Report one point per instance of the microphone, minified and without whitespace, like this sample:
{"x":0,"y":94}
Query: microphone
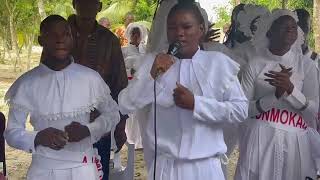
{"x":172,"y":50}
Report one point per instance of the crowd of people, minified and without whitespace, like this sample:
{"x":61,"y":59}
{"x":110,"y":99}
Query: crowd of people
{"x":94,"y":90}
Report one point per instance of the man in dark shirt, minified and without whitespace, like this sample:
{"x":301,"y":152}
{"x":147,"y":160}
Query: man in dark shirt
{"x":305,"y":24}
{"x":99,"y":49}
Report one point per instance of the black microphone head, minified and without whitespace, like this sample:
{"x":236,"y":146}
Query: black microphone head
{"x":174,"y":48}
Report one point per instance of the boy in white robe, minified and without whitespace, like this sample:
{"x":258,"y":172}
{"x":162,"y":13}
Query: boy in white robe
{"x":196,"y":94}
{"x":59,"y":96}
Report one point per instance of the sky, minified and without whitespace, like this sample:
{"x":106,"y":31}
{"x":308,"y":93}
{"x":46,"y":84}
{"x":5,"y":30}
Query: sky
{"x":209,"y":5}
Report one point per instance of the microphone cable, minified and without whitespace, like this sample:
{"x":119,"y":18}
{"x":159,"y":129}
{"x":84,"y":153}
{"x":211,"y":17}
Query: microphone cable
{"x":173,"y":50}
{"x":155,"y":127}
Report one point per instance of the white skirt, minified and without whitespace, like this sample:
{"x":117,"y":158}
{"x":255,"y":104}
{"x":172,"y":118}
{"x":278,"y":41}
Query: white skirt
{"x":267,"y":152}
{"x":202,"y":169}
{"x":87,"y":172}
{"x":71,"y":166}
{"x":133,"y":131}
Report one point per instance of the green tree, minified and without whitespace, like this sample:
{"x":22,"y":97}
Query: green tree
{"x":224,"y":17}
{"x":116,"y":10}
{"x":20,"y":22}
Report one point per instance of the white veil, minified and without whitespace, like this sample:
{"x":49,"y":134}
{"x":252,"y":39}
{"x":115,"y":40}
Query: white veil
{"x":249,"y":13}
{"x":157,"y":40}
{"x":143,"y":31}
{"x":260,"y":40}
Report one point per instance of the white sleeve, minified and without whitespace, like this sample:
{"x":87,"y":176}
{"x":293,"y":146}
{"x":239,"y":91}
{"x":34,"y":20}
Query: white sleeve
{"x":307,"y":100}
{"x":140,"y":93}
{"x":16,"y":134}
{"x":256,"y":106}
{"x":107,"y":121}
{"x":233,"y":108}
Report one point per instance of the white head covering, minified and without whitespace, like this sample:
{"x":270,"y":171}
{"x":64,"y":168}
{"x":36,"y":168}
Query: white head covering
{"x":143,"y":31}
{"x":264,"y":24}
{"x":249,"y":13}
{"x":158,"y":35}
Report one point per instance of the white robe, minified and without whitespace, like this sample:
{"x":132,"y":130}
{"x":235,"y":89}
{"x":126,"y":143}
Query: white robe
{"x":314,"y":135}
{"x":185,"y":147}
{"x":132,"y":57}
{"x":274,"y":144}
{"x":55,"y":99}
{"x":241,"y":52}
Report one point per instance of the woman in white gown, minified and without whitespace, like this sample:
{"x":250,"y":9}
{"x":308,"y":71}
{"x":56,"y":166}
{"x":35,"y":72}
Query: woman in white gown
{"x":280,"y":85}
{"x":196,"y":93}
{"x":157,"y":42}
{"x":133,"y":53}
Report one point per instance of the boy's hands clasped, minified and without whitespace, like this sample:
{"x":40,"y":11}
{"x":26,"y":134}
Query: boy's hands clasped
{"x":56,"y":139}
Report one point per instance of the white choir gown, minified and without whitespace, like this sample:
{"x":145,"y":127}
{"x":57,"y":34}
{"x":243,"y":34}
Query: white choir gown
{"x":55,"y":99}
{"x":132,"y":58}
{"x":274,"y":144}
{"x":190,"y":143}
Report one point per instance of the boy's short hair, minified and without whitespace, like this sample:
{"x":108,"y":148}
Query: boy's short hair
{"x":48,"y":21}
{"x":74,"y":1}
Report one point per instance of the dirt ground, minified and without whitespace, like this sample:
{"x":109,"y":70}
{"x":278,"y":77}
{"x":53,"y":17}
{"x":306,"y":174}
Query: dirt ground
{"x":18,"y":161}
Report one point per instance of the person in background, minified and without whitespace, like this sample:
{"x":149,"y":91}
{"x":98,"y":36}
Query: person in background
{"x":305,"y":24}
{"x":133,"y":54}
{"x":105,"y":22}
{"x":120,"y":32}
{"x":242,"y":29}
{"x":99,"y":49}
{"x":136,"y":48}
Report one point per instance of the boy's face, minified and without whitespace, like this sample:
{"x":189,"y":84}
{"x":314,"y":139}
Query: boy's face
{"x":57,"y":40}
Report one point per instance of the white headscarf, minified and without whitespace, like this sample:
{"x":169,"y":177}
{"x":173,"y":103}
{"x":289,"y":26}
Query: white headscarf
{"x":264,"y":24}
{"x":158,"y":35}
{"x":249,"y":13}
{"x":143,"y":31}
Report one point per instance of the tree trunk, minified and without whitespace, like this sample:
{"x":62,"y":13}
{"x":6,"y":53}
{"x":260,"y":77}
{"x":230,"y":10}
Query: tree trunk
{"x":3,"y":54}
{"x":14,"y":41}
{"x":13,"y":33}
{"x":316,"y":23}
{"x":29,"y":48}
{"x":41,"y":9}
{"x":284,"y":4}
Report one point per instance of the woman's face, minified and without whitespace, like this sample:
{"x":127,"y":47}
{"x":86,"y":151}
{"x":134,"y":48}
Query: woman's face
{"x":135,"y":38}
{"x":283,"y":32}
{"x":184,"y":27}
